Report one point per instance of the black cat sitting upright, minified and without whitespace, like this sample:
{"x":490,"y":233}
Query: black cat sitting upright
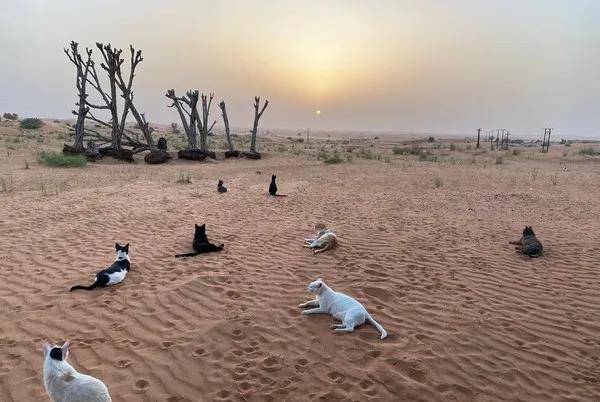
{"x":201,"y":244}
{"x":273,"y":188}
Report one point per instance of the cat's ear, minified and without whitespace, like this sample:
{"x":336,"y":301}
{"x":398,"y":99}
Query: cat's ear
{"x":126,"y":248}
{"x":65,"y":349}
{"x":46,"y":349}
{"x":117,"y":246}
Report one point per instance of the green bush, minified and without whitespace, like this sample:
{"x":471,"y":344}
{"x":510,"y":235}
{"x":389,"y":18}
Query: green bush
{"x":59,"y":160}
{"x":589,"y":151}
{"x":413,"y":150}
{"x":31,"y":123}
{"x":335,"y":158}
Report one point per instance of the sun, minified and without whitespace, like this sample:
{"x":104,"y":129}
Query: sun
{"x":318,"y":112}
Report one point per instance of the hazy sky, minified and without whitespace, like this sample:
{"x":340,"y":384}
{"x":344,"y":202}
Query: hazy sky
{"x":430,"y":66}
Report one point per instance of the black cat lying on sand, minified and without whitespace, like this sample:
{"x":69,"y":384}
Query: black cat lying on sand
{"x":529,"y":244}
{"x":113,"y":274}
{"x":273,"y":188}
{"x":221,"y":188}
{"x":201,"y":243}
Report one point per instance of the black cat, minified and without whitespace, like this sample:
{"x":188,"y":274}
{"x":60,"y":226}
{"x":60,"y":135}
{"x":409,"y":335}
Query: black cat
{"x":273,"y":188}
{"x":529,"y":244}
{"x":113,"y":274}
{"x":201,"y":243}
{"x":221,"y":188}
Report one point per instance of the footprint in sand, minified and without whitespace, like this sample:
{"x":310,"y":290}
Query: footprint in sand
{"x":166,"y":344}
{"x":373,"y":354}
{"x":238,"y":334}
{"x":336,"y":377}
{"x":223,"y":395}
{"x":140,"y":386}
{"x":199,"y":352}
{"x":301,"y":365}
{"x":244,"y":387}
{"x":123,"y":364}
{"x":270,"y":364}
{"x":368,"y":387}
{"x":232,"y":294}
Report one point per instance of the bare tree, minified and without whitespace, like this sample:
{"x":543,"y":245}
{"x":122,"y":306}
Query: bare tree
{"x":203,"y":123}
{"x":257,"y":115}
{"x":82,"y":70}
{"x":187,"y":108}
{"x":231,"y":152}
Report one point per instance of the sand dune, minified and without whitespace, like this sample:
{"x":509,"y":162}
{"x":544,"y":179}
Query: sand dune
{"x":468,"y":318}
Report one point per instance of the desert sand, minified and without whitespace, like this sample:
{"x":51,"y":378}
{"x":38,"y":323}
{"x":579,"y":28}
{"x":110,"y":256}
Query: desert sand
{"x":423,"y":245}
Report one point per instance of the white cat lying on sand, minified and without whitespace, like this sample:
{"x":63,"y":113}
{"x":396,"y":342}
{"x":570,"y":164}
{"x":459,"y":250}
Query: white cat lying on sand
{"x":64,"y":384}
{"x":324,"y":240}
{"x":340,"y":306}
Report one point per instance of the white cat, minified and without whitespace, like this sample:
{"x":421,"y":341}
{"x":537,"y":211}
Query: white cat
{"x":64,"y":384}
{"x":324,"y":240}
{"x":340,"y":306}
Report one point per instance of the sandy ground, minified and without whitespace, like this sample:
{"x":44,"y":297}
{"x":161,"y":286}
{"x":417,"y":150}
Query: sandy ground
{"x":423,"y":245}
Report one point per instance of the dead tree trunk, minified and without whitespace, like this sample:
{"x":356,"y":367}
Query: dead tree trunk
{"x":231,"y":152}
{"x":82,"y":70}
{"x":478,"y":137}
{"x":203,"y":128}
{"x":190,"y":123}
{"x":257,"y":115}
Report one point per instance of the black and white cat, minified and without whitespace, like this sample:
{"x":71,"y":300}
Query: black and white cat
{"x":113,"y":274}
{"x":201,"y":243}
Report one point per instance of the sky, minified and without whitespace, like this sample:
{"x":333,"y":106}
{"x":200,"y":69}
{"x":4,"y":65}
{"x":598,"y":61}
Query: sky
{"x":431,"y":66}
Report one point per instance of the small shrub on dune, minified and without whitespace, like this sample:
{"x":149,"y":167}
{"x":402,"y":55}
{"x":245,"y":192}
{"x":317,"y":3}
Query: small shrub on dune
{"x":516,"y":152}
{"x":31,"y":123}
{"x":589,"y":151}
{"x":452,"y":147}
{"x":430,"y":139}
{"x":437,"y":182}
{"x":333,"y":159}
{"x":59,"y":160}
{"x":499,"y":160}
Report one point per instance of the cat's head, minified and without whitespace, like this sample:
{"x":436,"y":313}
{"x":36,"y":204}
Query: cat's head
{"x":317,"y":287}
{"x":220,"y":183}
{"x":528,"y":231}
{"x":122,"y":251}
{"x":56,"y":353}
{"x":200,"y":231}
{"x":273,"y":178}
{"x":320,"y":226}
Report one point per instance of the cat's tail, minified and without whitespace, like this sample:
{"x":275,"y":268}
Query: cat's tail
{"x":186,"y":254}
{"x":280,"y":195}
{"x":374,"y":323}
{"x":92,"y":286}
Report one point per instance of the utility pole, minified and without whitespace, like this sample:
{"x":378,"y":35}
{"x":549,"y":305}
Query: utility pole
{"x":478,"y":136}
{"x":546,"y":141}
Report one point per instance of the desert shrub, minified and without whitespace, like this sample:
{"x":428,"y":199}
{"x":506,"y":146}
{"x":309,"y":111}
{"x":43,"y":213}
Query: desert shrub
{"x":568,"y":144}
{"x":26,"y":164}
{"x":499,"y":160}
{"x":425,"y":157}
{"x":334,"y":158}
{"x":589,"y":151}
{"x":516,"y":152}
{"x":184,"y":178}
{"x":430,"y":139}
{"x":11,"y":116}
{"x":387,"y":159}
{"x":554,"y":179}
{"x":412,"y":150}
{"x":59,"y":160}
{"x":452,"y":147}
{"x":437,"y":182}
{"x":31,"y":123}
